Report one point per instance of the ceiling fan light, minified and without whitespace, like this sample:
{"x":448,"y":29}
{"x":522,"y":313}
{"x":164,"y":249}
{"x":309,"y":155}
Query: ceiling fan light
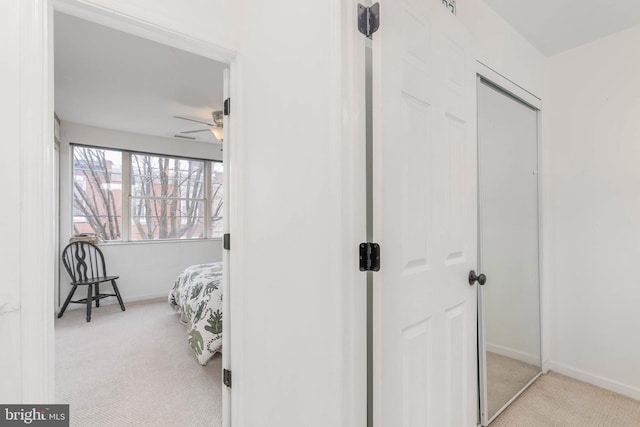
{"x":218,"y":133}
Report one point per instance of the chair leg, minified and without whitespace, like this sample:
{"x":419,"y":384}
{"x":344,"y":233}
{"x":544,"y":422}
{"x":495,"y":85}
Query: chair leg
{"x":66,"y":302}
{"x":117,"y":291}
{"x":97,"y":294}
{"x":89,"y":301}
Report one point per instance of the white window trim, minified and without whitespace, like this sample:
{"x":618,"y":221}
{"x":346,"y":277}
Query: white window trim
{"x":208,"y":231}
{"x":125,"y":221}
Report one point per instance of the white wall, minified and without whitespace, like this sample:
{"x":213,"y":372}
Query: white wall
{"x":297,"y":267}
{"x":146,"y":269}
{"x":595,"y":133}
{"x":502,"y":48}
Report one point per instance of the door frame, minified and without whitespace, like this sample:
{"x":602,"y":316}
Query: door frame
{"x":37,"y":154}
{"x":510,"y":88}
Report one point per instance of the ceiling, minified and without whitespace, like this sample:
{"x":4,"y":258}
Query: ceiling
{"x":554,"y":26}
{"x":114,"y":80}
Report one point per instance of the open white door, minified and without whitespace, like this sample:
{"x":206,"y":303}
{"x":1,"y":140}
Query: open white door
{"x":425,"y":218}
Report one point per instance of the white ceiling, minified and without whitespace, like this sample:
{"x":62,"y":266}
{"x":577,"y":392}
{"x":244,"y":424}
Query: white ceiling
{"x":115,"y":80}
{"x":554,"y":26}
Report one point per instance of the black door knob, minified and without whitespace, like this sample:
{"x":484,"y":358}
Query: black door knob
{"x":480,"y":278}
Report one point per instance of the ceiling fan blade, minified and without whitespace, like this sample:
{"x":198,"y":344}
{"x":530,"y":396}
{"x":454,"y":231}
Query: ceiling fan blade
{"x":182,"y":136}
{"x":193,"y":131}
{"x":194,"y":120}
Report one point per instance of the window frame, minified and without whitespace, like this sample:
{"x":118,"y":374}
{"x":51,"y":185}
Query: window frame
{"x":126,"y":195}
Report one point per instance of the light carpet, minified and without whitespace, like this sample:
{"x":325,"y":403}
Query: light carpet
{"x":505,"y":378}
{"x":134,"y":368}
{"x":554,"y":400}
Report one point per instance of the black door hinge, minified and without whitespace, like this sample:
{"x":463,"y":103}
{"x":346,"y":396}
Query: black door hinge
{"x":369,"y":256}
{"x":226,"y":377}
{"x":226,"y":241}
{"x":368,"y":19}
{"x":227,"y":107}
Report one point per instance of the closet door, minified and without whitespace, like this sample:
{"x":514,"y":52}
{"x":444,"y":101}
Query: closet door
{"x":508,"y":235}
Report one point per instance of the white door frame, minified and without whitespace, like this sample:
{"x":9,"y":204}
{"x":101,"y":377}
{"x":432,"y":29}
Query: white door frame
{"x":37,"y":239}
{"x":36,"y":155}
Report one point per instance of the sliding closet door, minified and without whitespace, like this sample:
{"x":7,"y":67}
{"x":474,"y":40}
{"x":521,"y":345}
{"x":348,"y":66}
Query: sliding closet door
{"x":508,"y":242}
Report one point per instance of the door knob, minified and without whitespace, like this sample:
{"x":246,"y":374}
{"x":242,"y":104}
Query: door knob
{"x":480,"y":278}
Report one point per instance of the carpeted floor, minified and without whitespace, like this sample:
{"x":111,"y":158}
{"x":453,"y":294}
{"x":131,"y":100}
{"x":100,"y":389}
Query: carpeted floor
{"x":554,"y":400}
{"x":505,"y":378}
{"x":134,"y":368}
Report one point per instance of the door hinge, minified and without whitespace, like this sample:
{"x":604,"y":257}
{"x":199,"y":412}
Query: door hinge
{"x":368,"y":19}
{"x":369,"y":256}
{"x":226,"y":241}
{"x":227,"y":107}
{"x":226,"y":377}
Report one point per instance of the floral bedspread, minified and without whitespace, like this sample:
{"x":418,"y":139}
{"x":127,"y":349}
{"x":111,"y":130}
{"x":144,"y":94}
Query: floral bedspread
{"x":197,"y":296}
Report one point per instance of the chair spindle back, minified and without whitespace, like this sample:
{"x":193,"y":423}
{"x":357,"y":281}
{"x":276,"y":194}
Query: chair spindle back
{"x":84,"y":261}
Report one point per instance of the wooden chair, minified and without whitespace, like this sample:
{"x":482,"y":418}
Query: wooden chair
{"x":85,"y":264}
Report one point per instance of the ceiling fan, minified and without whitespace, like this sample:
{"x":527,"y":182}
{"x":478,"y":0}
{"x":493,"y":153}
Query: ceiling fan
{"x":215,"y":128}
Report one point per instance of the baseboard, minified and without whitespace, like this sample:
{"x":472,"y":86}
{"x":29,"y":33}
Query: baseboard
{"x":529,"y":358}
{"x":597,"y":380}
{"x":113,"y":300}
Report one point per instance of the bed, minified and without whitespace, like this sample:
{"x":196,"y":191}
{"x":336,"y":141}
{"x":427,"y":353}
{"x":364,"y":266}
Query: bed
{"x":197,"y":296}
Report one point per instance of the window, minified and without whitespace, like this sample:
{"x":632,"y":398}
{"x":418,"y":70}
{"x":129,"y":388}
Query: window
{"x":216,"y":198}
{"x":165,"y":197}
{"x":97,"y":202}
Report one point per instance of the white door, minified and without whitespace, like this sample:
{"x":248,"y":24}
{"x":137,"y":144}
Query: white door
{"x":425,"y":215}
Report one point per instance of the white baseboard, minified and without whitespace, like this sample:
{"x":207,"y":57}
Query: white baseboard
{"x":532,"y":359}
{"x":113,"y":300}
{"x":615,"y":386}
